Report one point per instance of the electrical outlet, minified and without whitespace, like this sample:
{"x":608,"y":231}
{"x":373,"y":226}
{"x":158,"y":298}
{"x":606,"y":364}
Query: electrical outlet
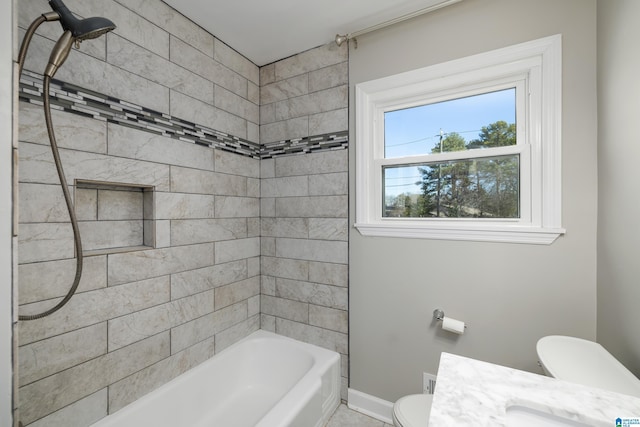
{"x":428,"y":383}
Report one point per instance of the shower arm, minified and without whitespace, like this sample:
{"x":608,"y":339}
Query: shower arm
{"x":58,"y":56}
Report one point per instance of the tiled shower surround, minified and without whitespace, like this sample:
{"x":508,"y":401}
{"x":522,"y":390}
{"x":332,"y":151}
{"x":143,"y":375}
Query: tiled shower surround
{"x":248,"y":229}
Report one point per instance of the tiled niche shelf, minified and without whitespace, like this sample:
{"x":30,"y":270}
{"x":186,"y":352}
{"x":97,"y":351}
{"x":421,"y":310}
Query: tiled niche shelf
{"x":114,"y":217}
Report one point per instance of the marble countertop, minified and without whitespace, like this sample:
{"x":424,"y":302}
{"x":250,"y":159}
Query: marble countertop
{"x":474,"y":393}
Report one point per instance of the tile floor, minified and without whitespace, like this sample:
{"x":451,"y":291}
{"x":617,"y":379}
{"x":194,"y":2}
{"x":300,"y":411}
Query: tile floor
{"x":345,"y":417}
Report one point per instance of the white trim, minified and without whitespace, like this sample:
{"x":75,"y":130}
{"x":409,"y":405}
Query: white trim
{"x":6,"y":238}
{"x":370,"y":405}
{"x":537,"y":63}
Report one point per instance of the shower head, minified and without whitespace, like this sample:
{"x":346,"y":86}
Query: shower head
{"x":75,"y":30}
{"x":81,"y":29}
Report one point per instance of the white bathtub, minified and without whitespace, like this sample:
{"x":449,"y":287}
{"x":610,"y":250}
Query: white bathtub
{"x":265,"y":380}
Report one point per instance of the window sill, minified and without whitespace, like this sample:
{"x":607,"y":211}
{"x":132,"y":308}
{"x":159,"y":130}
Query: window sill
{"x":469,"y":232}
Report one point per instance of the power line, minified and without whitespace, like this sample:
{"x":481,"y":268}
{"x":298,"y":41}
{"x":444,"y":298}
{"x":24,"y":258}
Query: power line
{"x":430,"y":137}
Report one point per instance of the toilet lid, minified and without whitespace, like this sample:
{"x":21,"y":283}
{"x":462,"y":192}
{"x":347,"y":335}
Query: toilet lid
{"x":412,"y":410}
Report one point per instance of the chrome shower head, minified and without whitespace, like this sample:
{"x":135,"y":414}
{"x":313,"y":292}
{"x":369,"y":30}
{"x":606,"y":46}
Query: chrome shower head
{"x":81,"y":29}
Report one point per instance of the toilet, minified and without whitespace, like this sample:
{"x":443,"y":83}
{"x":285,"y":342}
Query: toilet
{"x":412,"y":410}
{"x":585,"y":362}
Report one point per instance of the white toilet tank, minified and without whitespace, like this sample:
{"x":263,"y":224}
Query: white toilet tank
{"x":585,"y":362}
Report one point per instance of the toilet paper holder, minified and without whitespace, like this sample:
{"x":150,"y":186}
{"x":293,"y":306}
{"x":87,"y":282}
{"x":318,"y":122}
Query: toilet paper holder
{"x":438,"y":314}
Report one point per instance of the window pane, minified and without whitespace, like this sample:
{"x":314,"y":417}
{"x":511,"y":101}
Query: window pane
{"x":486,"y":187}
{"x":473,"y":122}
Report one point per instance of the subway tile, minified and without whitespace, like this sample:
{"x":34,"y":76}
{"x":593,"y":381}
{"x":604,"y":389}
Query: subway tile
{"x":253,"y":93}
{"x":311,"y":60}
{"x":285,"y":308}
{"x":329,"y":229}
{"x":284,"y":130}
{"x":329,"y":121}
{"x":325,"y":338}
{"x":267,"y":168}
{"x":328,"y":77}
{"x":234,"y":104}
{"x":195,"y":231}
{"x":36,"y":165}
{"x":141,"y":145}
{"x":142,"y":62}
{"x":203,"y":279}
{"x":45,"y":242}
{"x":310,"y":207}
{"x":206,"y":327}
{"x":235,"y":292}
{"x":253,"y":266}
{"x":253,"y":187}
{"x":162,"y":233}
{"x":329,"y":274}
{"x":237,"y":207}
{"x":132,"y":266}
{"x":184,"y":206}
{"x":137,"y":326}
{"x":284,"y":89}
{"x":57,"y":391}
{"x":47,"y":357}
{"x":317,"y":102}
{"x":119,"y":205}
{"x":86,"y":204}
{"x":267,"y":74}
{"x":196,"y":111}
{"x":130,"y":25}
{"x":237,"y":332}
{"x":268,"y":323}
{"x":237,"y":165}
{"x":285,"y":268}
{"x":268,"y":246}
{"x":314,"y":293}
{"x":58,"y":276}
{"x":267,"y":207}
{"x":312,"y":164}
{"x":268,"y":285}
{"x":253,"y":305}
{"x":176,"y":24}
{"x":194,"y":60}
{"x":140,"y":383}
{"x":289,"y":186}
{"x":89,"y":308}
{"x":267,"y":114}
{"x":231,"y":250}
{"x":236,"y":62}
{"x":192,"y":231}
{"x":111,"y":234}
{"x":297,"y":228}
{"x":71,"y":130}
{"x":329,"y":184}
{"x":186,"y":180}
{"x":328,"y":318}
{"x":312,"y":250}
{"x":81,"y":413}
{"x":42,"y":203}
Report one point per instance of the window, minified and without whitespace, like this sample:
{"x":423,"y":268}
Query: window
{"x":465,"y":150}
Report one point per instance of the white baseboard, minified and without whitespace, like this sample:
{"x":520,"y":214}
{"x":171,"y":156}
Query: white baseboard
{"x":370,"y":405}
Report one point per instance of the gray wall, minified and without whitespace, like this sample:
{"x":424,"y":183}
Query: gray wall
{"x":619,"y":205}
{"x":510,"y":295}
{"x":140,"y":318}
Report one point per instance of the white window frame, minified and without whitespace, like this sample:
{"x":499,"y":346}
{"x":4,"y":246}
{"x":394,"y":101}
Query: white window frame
{"x":536,"y":68}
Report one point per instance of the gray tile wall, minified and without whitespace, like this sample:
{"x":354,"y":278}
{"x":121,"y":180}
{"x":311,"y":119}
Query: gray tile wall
{"x":239,"y":243}
{"x":304,"y":202}
{"x":139,"y":318}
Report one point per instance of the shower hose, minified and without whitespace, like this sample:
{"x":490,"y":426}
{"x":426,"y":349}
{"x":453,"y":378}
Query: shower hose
{"x":56,"y":158}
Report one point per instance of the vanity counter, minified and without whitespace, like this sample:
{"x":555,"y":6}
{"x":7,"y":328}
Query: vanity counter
{"x":474,"y":393}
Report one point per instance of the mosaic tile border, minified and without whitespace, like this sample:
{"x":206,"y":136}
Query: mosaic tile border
{"x":76,"y":100}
